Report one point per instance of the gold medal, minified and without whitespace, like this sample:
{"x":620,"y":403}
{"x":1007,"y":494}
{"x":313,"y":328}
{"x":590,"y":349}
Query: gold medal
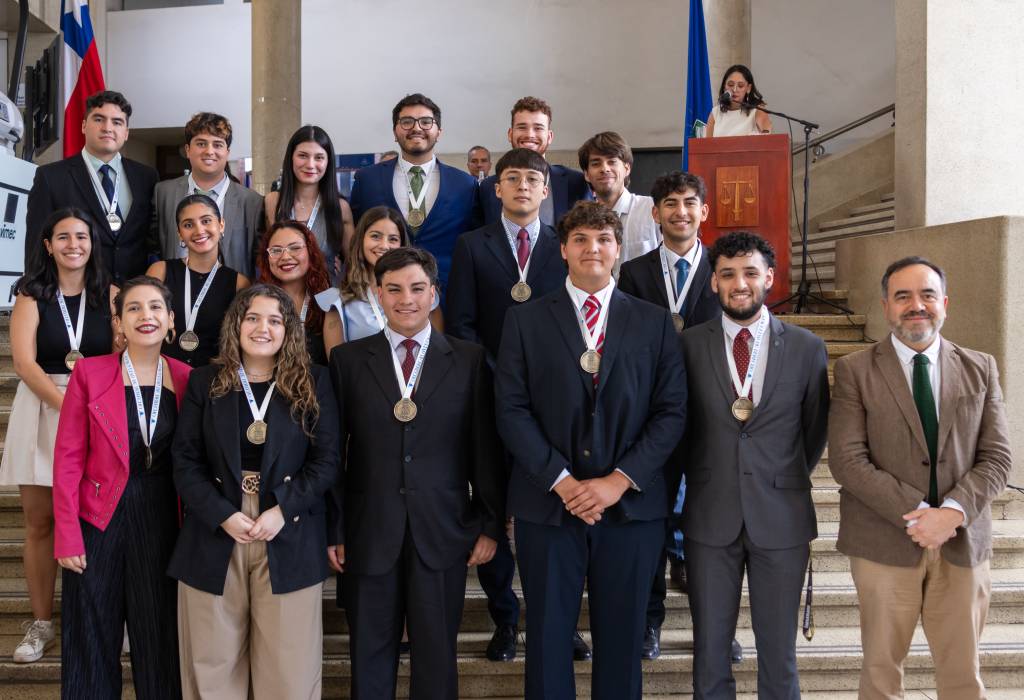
{"x":71,"y":358}
{"x":742,"y":409}
{"x":678,"y":322}
{"x":149,"y":457}
{"x":416,"y":218}
{"x":188,"y":341}
{"x":521,"y":292}
{"x":590,"y":361}
{"x":256,"y":433}
{"x":405,"y":410}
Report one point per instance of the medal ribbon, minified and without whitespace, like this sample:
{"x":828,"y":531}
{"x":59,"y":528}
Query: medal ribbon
{"x":305,"y":308}
{"x":257,"y":411}
{"x":192,"y":309}
{"x":75,"y":333}
{"x":675,"y":305}
{"x":743,"y":389}
{"x":602,"y":317}
{"x":404,"y":386}
{"x":218,"y":198}
{"x":312,"y":215}
{"x":414,"y":201}
{"x":371,"y":299}
{"x":140,"y":407}
{"x":111,"y":206}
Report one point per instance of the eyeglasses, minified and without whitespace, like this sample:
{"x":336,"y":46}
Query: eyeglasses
{"x":534,"y":181}
{"x":294,"y":249}
{"x":407,"y":123}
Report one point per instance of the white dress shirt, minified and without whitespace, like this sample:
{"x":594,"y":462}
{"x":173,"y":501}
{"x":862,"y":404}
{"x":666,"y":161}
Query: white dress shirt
{"x":396,"y":339}
{"x":691,"y":257}
{"x":124,"y":192}
{"x":640,"y":234}
{"x":732,"y":329}
{"x":512,"y":234}
{"x":402,"y":184}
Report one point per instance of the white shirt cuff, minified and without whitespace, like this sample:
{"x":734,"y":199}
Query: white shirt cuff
{"x":565,"y":473}
{"x":950,"y":503}
{"x":632,"y":484}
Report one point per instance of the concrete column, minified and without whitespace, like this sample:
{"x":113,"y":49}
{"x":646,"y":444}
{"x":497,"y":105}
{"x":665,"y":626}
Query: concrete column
{"x":728,"y":27}
{"x":958,"y":89}
{"x":276,"y":84}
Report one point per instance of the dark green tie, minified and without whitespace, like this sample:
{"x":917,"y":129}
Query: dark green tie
{"x":924,"y":399}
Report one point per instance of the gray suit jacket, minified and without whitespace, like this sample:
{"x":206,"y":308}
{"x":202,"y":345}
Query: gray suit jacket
{"x":243,"y":223}
{"x":754,"y":475}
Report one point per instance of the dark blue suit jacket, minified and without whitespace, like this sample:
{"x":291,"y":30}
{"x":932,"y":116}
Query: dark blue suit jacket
{"x":551,"y":418}
{"x":643,"y":278}
{"x":567,"y":188}
{"x":454,"y":212}
{"x":483,"y":273}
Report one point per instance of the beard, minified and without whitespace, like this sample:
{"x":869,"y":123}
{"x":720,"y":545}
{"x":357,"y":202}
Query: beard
{"x":917,"y":337}
{"x":757,"y":301}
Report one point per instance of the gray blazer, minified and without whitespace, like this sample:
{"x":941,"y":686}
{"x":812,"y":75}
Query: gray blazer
{"x":243,"y":223}
{"x":754,"y":475}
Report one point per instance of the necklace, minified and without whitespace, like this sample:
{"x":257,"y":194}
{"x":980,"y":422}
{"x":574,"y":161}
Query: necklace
{"x":259,"y":377}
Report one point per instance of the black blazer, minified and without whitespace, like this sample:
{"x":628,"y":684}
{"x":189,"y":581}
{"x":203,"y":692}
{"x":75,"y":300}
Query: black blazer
{"x":296,"y":473}
{"x":67,"y":183}
{"x":642,"y":277}
{"x":551,"y":419}
{"x":568,"y":186}
{"x":483,"y":273}
{"x":416,"y":476}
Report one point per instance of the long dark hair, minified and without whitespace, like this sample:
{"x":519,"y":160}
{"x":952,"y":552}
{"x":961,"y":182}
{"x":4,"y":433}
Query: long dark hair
{"x":329,"y":207}
{"x":754,"y":97}
{"x":357,"y":277}
{"x":41,"y":281}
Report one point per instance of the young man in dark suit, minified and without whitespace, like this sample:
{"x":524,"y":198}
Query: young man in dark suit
{"x":512,"y":261}
{"x":437,"y":200}
{"x":115,"y":190}
{"x":531,"y":128}
{"x":591,"y":396}
{"x":422,"y":495}
{"x":677,"y":276}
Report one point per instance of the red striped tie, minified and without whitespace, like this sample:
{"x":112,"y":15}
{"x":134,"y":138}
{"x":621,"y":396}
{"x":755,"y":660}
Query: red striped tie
{"x":591,"y":310}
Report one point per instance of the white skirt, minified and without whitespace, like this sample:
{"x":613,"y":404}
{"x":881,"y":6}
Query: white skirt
{"x":31,"y":434}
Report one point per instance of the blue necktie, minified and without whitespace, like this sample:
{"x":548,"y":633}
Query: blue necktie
{"x":682,"y":272}
{"x":107,"y":182}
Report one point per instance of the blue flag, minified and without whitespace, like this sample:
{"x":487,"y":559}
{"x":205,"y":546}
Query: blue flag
{"x":698,"y":80}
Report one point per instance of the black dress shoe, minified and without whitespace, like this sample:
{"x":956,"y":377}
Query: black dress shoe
{"x":652,"y":643}
{"x":580,"y":648}
{"x":503,"y":644}
{"x":736,"y":655}
{"x":677,"y":572}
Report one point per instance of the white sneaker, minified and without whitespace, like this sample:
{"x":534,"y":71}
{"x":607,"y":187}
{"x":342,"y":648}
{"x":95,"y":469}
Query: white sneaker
{"x":39,"y":636}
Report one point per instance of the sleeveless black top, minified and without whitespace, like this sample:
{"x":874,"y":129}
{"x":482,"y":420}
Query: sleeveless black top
{"x":160,"y":445}
{"x":52,"y":343}
{"x":211,"y":312}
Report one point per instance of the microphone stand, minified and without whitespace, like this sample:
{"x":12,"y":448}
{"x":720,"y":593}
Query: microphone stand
{"x":804,"y":293}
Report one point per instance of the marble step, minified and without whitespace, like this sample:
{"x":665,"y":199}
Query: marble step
{"x":864,"y":217}
{"x":869,"y":208}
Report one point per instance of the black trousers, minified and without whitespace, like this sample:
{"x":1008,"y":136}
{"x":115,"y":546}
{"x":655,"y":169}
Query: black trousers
{"x":617,"y":562}
{"x":774,"y":578}
{"x":125,"y":580}
{"x":496,"y":578}
{"x":430,"y":602}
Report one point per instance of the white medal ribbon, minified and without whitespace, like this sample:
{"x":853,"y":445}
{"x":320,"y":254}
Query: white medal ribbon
{"x":743,"y":389}
{"x":417,"y":202}
{"x":406,"y":387}
{"x":602,"y":317}
{"x":371,"y":299}
{"x":140,"y":407}
{"x":111,"y":206}
{"x":305,"y":308}
{"x":312,"y":215}
{"x":74,"y":333}
{"x":676,"y":304}
{"x":257,"y":411}
{"x":515,"y":256}
{"x":192,"y":309}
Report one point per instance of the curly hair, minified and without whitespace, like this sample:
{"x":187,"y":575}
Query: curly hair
{"x":741,"y":243}
{"x":531,"y":104}
{"x":358,"y":273}
{"x":208,"y":123}
{"x":292,"y":374}
{"x":317,"y":277}
{"x":593,"y":215}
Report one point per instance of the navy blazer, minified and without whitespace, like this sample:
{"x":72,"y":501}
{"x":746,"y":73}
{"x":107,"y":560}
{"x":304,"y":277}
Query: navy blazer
{"x":567,"y":187}
{"x":551,"y":418}
{"x":454,"y":212}
{"x":67,"y":183}
{"x":643,"y":278}
{"x":483,"y":274}
{"x":296,"y":473}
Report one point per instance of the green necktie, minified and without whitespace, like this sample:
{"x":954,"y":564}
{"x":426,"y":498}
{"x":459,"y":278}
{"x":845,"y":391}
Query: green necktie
{"x":924,"y":399}
{"x":416,"y":183}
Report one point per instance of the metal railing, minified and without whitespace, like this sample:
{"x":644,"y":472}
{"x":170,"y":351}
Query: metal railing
{"x":817,"y":145}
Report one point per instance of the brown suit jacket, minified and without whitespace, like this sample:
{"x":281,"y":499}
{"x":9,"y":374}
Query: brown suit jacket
{"x":878,"y":454}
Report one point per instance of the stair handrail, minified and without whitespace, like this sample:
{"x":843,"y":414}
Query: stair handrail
{"x":818,"y":144}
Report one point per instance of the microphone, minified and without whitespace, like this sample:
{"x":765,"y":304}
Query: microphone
{"x":725,"y":100}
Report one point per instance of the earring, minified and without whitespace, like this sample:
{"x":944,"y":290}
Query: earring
{"x":171,"y":335}
{"x":182,"y":245}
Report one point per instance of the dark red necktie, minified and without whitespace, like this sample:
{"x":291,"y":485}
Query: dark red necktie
{"x":741,"y":355}
{"x":411,"y":346}
{"x":523,"y":248}
{"x":591,"y":311}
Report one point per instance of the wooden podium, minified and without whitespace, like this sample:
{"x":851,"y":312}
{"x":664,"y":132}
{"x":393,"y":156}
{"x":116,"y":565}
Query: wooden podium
{"x":748,"y":180}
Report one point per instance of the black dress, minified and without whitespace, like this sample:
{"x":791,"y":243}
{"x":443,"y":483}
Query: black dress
{"x":211,"y":312}
{"x":126,"y":578}
{"x":52,"y":343}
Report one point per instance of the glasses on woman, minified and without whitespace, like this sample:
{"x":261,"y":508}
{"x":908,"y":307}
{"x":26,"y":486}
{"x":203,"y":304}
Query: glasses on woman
{"x":293,"y":249}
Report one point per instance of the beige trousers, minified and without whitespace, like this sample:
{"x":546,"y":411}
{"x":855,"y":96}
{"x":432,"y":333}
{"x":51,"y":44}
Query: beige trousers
{"x":951,"y":602}
{"x":250,"y":633}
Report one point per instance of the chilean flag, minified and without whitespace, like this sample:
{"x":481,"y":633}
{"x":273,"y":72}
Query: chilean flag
{"x":81,"y":74}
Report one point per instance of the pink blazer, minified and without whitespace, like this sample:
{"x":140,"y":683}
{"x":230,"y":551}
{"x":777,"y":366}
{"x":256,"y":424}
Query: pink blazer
{"x":90,"y":460}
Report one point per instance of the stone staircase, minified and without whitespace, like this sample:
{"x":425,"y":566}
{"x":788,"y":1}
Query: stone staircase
{"x":829,"y":665}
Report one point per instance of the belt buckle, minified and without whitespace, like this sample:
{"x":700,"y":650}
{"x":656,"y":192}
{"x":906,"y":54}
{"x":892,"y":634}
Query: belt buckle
{"x":251,"y":484}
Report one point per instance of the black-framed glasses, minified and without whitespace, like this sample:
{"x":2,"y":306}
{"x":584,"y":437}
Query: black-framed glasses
{"x":408,"y":123}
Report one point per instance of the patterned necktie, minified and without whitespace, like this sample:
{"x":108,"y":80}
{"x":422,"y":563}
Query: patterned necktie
{"x":741,"y":355}
{"x":924,"y":399}
{"x":523,"y":248}
{"x":411,"y":347}
{"x":107,"y":182}
{"x":591,"y":311}
{"x":416,"y":184}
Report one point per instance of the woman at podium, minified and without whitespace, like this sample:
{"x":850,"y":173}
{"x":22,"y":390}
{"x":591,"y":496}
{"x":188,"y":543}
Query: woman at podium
{"x":736,"y":113}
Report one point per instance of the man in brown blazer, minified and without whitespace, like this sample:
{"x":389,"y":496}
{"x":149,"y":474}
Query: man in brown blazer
{"x":918,"y":441}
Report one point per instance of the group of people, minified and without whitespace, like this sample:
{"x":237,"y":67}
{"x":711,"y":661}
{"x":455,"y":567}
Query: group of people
{"x":221,"y":407}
